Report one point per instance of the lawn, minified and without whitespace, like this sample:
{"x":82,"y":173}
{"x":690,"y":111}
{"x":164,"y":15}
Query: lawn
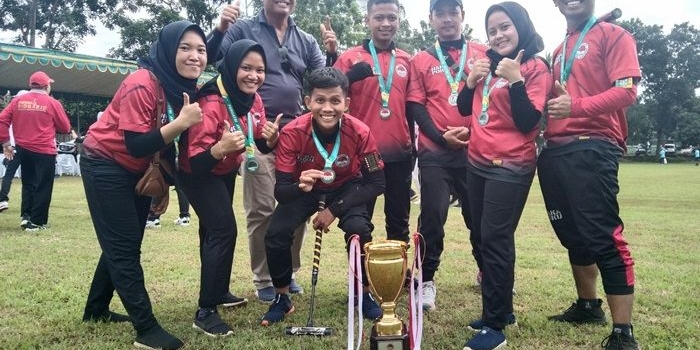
{"x":45,"y":276}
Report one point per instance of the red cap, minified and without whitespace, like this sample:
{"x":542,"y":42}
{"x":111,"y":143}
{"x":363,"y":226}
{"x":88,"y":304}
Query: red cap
{"x":40,"y":78}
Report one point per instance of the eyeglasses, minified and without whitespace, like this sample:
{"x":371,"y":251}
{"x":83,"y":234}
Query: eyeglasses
{"x":283,"y":51}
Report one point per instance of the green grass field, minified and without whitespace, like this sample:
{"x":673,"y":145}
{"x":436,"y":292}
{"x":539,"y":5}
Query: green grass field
{"x":44,"y":277}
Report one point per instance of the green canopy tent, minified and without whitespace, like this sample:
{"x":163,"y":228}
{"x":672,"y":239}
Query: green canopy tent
{"x":73,"y":73}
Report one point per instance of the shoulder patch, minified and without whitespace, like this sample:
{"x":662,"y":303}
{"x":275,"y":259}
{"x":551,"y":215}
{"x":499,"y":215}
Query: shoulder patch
{"x":371,"y":162}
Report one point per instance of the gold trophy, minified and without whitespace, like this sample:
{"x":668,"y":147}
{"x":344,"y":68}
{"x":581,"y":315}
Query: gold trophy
{"x":385,"y":263}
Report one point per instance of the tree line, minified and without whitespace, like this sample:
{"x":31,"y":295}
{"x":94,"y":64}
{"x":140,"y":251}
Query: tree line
{"x":668,"y":108}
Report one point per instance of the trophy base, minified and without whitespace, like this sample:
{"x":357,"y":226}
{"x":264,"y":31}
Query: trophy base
{"x":389,"y":342}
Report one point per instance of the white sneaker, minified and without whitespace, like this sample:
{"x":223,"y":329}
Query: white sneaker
{"x":153,"y":223}
{"x":3,"y":206}
{"x":429,"y":292}
{"x":183,"y":221}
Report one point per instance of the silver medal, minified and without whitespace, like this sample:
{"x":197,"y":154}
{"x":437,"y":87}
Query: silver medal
{"x":384,"y":113}
{"x":328,"y":175}
{"x":483,"y":118}
{"x":453,"y":99}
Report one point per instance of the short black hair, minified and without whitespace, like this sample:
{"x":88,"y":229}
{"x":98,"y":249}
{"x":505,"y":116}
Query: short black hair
{"x":371,"y":3}
{"x":328,"y":77}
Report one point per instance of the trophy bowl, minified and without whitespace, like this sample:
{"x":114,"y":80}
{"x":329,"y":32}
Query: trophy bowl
{"x":385,"y":263}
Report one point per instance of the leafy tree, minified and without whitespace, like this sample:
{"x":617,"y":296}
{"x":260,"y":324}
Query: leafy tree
{"x":138,"y":33}
{"x":640,"y":126}
{"x":61,"y":24}
{"x":345,"y":15}
{"x":670,"y":69}
{"x":689,"y":125}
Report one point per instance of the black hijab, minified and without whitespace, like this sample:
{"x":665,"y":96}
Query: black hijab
{"x":228,"y":70}
{"x":528,"y":39}
{"x":161,"y":61}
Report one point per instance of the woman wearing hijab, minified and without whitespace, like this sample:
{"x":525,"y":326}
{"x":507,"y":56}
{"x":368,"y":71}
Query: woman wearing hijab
{"x":505,"y":95}
{"x":115,"y":154}
{"x":233,"y":120}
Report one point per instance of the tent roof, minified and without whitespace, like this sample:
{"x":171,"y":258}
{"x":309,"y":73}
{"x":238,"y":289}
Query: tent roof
{"x":73,"y":73}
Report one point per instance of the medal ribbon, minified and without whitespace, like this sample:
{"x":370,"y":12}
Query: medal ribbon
{"x":415,"y":296}
{"x":486,"y":92}
{"x":171,"y":117}
{"x":334,"y":153}
{"x":454,"y":81}
{"x":354,"y":286}
{"x":566,"y":65}
{"x":384,"y":86}
{"x":249,"y":150}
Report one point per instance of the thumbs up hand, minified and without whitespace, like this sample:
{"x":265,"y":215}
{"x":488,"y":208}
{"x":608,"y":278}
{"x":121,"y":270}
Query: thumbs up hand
{"x":191,"y":113}
{"x":229,"y":15}
{"x":330,"y":42}
{"x":510,"y":68}
{"x":271,"y":131}
{"x":560,"y":106}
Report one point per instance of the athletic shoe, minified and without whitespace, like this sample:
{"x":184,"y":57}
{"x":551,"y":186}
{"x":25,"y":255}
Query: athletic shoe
{"x":281,"y":307}
{"x":477,"y":325}
{"x":183,"y":221}
{"x":31,"y":227}
{"x":24,"y":222}
{"x":617,"y":340}
{"x":295,"y":288}
{"x":266,"y":295}
{"x":106,"y":317}
{"x":370,"y":308}
{"x":582,"y":312}
{"x":3,"y":206}
{"x":414,"y":196}
{"x":158,"y":338}
{"x":231,"y":300}
{"x":429,"y":293}
{"x":208,"y":321}
{"x":486,"y":339}
{"x":155,"y":223}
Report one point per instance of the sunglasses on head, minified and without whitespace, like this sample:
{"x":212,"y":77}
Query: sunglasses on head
{"x":283,"y":52}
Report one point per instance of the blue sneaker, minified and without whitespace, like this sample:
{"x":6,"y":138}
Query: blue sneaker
{"x":266,"y":295}
{"x":477,"y":325}
{"x":486,"y":339}
{"x":370,"y":308}
{"x":295,"y":288}
{"x":281,"y":307}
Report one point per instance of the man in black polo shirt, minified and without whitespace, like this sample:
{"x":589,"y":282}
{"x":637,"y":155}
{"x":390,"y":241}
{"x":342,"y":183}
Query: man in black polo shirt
{"x":290,"y":52}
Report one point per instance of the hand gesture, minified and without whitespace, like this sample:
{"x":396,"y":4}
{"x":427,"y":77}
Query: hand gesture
{"x":323,"y":220}
{"x":308,"y":178}
{"x":271,"y":130}
{"x":560,"y":106}
{"x":510,"y":68}
{"x":479,"y":71}
{"x":191,"y":113}
{"x":229,"y":15}
{"x":330,"y":42}
{"x":231,"y":140}
{"x":457,"y":137}
{"x":7,"y":151}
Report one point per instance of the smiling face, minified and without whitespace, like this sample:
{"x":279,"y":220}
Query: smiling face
{"x":383,"y":22}
{"x":446,"y":19}
{"x":576,"y":11}
{"x":327,"y":106}
{"x":279,"y":7}
{"x":502,"y":34}
{"x":191,"y":57}
{"x":251,"y":73}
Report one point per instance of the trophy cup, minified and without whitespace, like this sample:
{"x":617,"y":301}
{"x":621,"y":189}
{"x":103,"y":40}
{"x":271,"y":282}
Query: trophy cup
{"x":385,"y":263}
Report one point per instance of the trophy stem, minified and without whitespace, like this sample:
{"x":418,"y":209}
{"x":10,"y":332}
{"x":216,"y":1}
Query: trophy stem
{"x":389,"y":324}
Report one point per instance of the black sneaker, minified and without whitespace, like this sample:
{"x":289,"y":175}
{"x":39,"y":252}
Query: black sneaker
{"x":617,"y":340}
{"x":231,"y":301}
{"x":208,"y":321}
{"x":157,"y":338}
{"x":31,"y":227}
{"x":582,"y":312}
{"x":477,"y":325}
{"x":370,"y":308}
{"x":106,"y":317}
{"x":281,"y":307}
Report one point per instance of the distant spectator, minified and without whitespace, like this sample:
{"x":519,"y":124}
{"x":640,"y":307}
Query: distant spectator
{"x":35,"y":117}
{"x":696,"y":155}
{"x":662,"y":156}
